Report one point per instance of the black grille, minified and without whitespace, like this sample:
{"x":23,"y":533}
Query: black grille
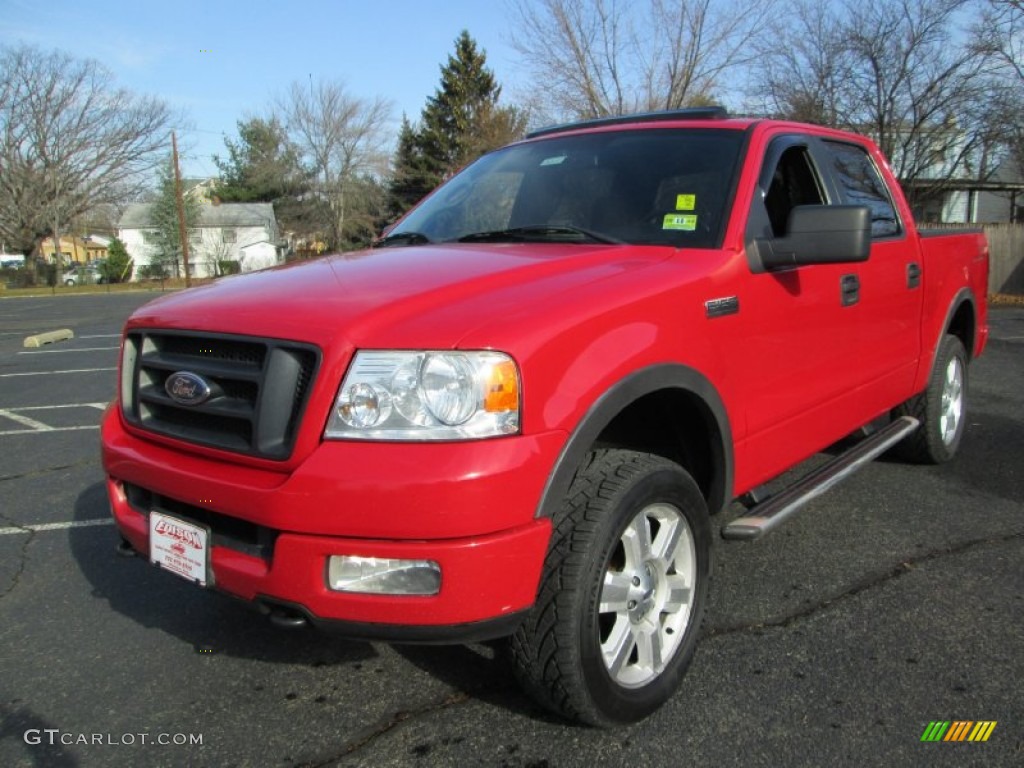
{"x":258,"y":389}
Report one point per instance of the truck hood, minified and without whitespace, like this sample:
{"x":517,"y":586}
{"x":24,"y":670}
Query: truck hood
{"x":401,"y":297}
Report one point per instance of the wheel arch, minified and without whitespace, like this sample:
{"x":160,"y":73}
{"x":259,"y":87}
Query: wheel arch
{"x":961,"y":321}
{"x":670,"y":410}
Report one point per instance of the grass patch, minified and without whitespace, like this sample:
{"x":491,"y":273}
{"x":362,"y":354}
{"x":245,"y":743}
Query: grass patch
{"x":1005,"y":300}
{"x":150,"y":286}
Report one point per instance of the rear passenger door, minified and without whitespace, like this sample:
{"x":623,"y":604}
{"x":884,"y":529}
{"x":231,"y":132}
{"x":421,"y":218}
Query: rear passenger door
{"x":890,"y":281}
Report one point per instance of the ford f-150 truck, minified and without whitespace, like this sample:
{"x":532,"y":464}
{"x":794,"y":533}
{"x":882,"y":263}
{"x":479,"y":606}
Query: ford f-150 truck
{"x":518,"y":414}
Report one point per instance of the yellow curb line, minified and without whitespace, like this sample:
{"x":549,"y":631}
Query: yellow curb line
{"x":49,"y":337}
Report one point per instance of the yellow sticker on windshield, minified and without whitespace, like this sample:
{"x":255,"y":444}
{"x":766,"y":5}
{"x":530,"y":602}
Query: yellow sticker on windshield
{"x":686,"y":202}
{"x":684,"y":222}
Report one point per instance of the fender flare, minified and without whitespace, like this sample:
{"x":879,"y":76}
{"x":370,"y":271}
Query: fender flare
{"x":622,"y":394}
{"x":963,"y":296}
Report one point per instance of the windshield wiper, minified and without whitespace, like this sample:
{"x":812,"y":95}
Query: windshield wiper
{"x":402,"y":238}
{"x":537,"y":232}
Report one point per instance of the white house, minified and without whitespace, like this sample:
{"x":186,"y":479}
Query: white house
{"x":244,"y":233}
{"x":979,"y":185}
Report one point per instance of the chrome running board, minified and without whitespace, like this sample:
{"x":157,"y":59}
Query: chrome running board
{"x":774,"y":510}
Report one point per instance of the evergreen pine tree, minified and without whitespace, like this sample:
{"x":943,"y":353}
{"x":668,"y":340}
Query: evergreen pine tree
{"x":460,"y":122}
{"x":118,"y":266}
{"x":410,"y":181}
{"x":468,"y":92}
{"x":262,"y":166}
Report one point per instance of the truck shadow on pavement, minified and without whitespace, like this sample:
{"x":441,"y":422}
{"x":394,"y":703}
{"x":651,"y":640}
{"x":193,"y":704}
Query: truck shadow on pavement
{"x":482,"y":672}
{"x":209,"y":621}
{"x":20,"y":725}
{"x":990,"y":457}
{"x":215,"y":623}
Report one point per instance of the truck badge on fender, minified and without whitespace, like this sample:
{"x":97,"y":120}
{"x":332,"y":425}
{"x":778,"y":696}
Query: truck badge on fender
{"x":730,"y":305}
{"x":186,"y":388}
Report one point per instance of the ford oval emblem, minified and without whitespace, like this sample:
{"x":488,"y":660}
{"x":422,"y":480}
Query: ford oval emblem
{"x":186,"y":388}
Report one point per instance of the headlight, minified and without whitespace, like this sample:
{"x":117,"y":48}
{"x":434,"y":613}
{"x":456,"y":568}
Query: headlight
{"x":427,"y":396}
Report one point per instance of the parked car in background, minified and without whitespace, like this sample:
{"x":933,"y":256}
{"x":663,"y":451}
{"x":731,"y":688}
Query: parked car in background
{"x":87,"y":275}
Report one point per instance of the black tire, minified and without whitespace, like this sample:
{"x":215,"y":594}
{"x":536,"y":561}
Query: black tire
{"x":654,"y":596}
{"x":941,"y":408}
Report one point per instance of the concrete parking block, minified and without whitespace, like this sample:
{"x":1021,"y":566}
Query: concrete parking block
{"x":49,"y":337}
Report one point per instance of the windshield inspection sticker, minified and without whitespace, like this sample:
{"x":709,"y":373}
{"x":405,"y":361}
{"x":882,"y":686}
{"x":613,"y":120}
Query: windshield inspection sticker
{"x":556,"y":160}
{"x":686,"y":202}
{"x":684,"y":222}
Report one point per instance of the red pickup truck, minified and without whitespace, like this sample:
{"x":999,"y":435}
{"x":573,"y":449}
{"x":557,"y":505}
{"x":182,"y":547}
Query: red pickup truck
{"x":517,"y":415}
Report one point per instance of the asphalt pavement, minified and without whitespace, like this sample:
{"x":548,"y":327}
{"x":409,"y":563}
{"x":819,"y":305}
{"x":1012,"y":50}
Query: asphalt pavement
{"x":895,"y":600}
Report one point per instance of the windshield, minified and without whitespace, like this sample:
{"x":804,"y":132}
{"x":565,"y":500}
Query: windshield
{"x":656,"y":186}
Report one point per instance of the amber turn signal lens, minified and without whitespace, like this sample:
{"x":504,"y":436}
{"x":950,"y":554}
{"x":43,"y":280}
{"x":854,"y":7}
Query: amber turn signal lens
{"x":502,"y":393}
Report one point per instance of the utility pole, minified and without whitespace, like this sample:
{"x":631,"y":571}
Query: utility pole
{"x":182,"y":230}
{"x":58,"y":258}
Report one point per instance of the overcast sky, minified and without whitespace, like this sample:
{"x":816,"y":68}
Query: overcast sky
{"x":221,"y":60}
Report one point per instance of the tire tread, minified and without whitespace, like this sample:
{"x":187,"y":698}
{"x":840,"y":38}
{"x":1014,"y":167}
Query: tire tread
{"x":924,"y":445}
{"x":544,"y":649}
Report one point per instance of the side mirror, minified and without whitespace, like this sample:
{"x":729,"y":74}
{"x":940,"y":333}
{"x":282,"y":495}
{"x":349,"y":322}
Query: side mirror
{"x":820,"y":234}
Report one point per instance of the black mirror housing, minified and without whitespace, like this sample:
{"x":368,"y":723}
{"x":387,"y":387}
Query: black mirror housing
{"x":820,"y":234}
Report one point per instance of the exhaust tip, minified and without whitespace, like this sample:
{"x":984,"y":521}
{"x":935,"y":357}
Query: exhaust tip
{"x":124,"y":549}
{"x":286,"y":619}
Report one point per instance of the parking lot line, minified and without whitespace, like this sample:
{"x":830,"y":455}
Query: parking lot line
{"x":25,"y":421}
{"x":65,"y":351}
{"x":54,"y":373}
{"x":56,"y":526}
{"x":48,"y":430}
{"x":21,"y":408}
{"x":17,"y":415}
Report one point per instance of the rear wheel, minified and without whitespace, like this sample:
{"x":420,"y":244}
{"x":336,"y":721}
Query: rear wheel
{"x":941,"y":408}
{"x":623,"y":591}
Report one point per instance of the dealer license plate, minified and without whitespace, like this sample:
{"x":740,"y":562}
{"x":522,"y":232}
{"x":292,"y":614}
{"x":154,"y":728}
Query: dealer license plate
{"x":180,"y":547}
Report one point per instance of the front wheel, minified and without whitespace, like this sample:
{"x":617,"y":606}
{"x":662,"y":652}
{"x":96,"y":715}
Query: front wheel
{"x":623,"y":591}
{"x":941,"y":408}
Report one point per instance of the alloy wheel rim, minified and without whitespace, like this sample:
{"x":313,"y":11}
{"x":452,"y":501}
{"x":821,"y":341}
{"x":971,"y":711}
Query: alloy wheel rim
{"x":951,"y":409}
{"x":647,"y":596}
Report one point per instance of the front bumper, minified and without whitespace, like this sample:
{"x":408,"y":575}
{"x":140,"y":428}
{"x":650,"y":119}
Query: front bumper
{"x":272,"y":534}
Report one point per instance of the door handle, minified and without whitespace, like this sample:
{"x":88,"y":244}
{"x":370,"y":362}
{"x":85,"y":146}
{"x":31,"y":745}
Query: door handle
{"x":913,"y":275}
{"x":849,"y":289}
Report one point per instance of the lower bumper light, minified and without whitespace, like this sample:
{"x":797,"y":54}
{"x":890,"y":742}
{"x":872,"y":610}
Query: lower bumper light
{"x":383,"y":576}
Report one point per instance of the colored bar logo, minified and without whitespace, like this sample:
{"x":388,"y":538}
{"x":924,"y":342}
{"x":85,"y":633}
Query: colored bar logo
{"x":958,"y":730}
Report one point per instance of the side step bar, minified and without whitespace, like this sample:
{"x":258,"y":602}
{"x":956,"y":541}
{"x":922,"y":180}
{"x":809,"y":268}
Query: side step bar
{"x":773,"y":511}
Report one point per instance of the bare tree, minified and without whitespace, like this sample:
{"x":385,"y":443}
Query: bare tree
{"x":342,"y":139}
{"x":69,"y":142}
{"x":611,"y":57}
{"x":999,"y":36}
{"x":806,"y":67}
{"x":1000,"y":33}
{"x":893,"y":69}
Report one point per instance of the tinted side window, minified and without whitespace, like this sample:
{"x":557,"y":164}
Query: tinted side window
{"x":861,"y":184}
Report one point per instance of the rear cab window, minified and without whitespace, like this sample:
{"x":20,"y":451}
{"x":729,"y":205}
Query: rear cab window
{"x":860,"y":183}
